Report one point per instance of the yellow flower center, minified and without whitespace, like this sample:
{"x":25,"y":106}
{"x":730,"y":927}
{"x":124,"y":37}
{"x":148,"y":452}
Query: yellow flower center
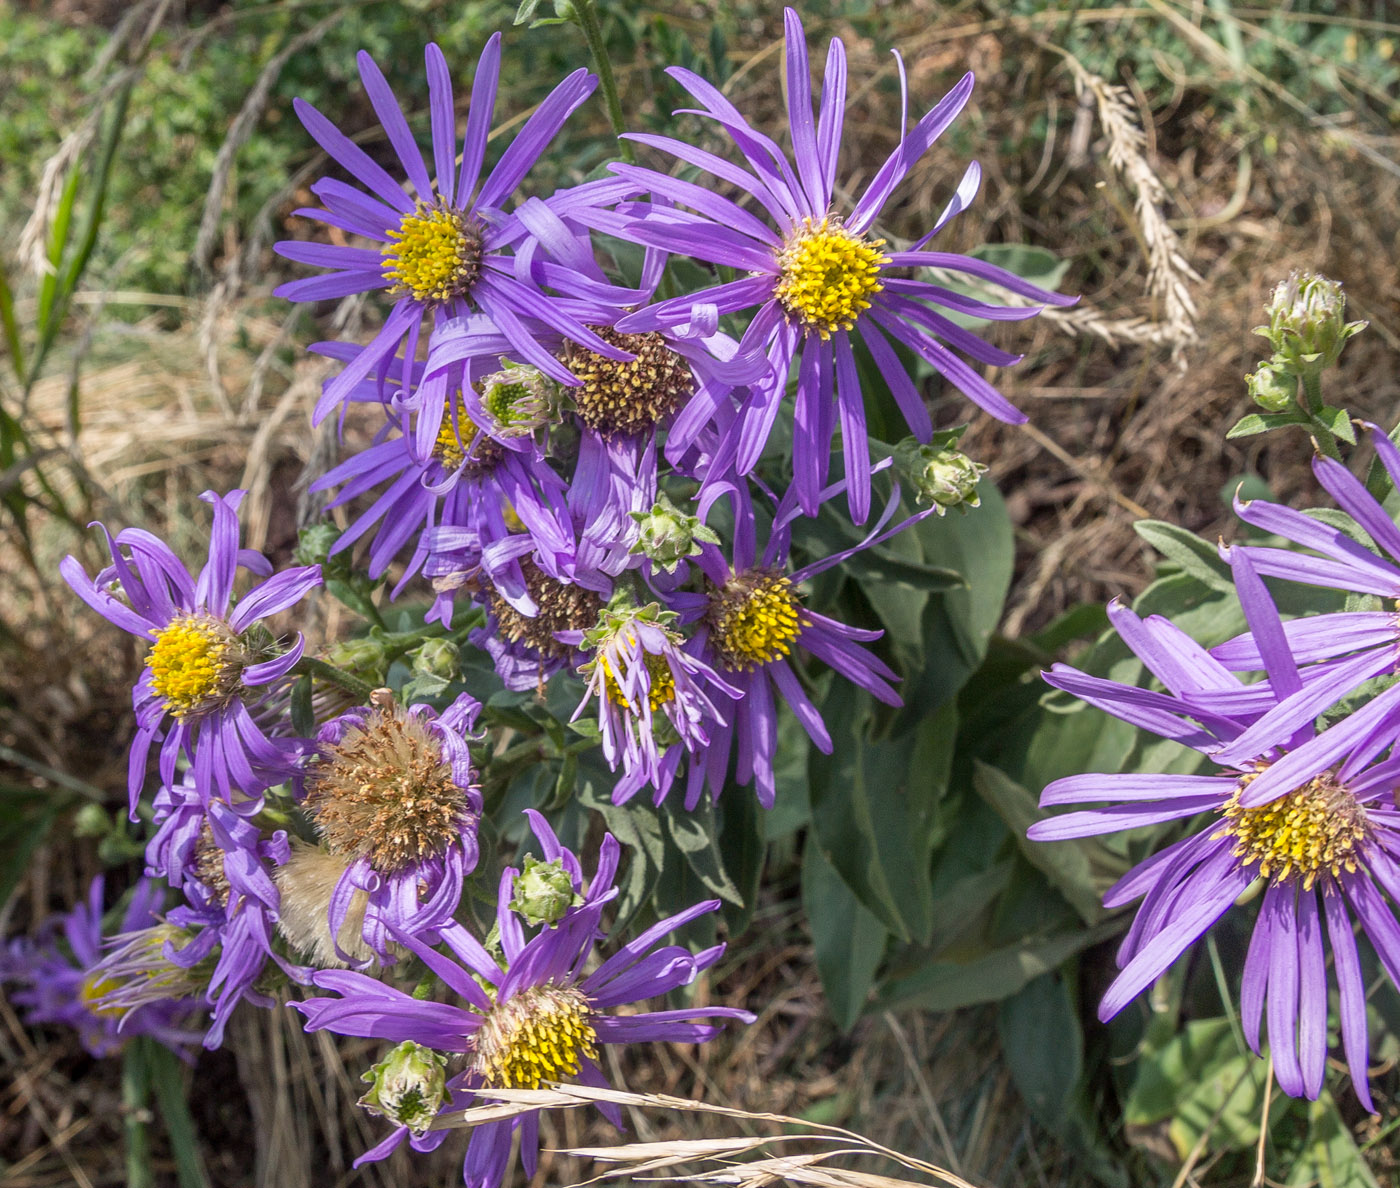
{"x":662,"y":685}
{"x":754,"y":619}
{"x":538,"y":1035}
{"x":193,"y":665}
{"x":827,"y":275}
{"x":1317,"y":829}
{"x":434,"y":256}
{"x":93,"y":988}
{"x":455,"y":437}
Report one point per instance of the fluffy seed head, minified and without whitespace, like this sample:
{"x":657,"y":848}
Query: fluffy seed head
{"x":537,"y":1035}
{"x":433,"y":256}
{"x":386,"y":793}
{"x":754,"y":619}
{"x":1317,"y":829}
{"x":827,"y":275}
{"x":633,"y":397}
{"x":305,"y":884}
{"x":194,"y":664}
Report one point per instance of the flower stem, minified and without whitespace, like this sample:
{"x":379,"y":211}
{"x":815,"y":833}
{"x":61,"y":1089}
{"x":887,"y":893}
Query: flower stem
{"x":586,"y":14}
{"x":309,"y":665}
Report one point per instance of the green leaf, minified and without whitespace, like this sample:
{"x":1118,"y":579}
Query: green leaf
{"x":1043,"y":1047}
{"x":171,"y":1084}
{"x":1330,"y":1156}
{"x":303,"y":716}
{"x":947,"y":985}
{"x":637,"y":826}
{"x":1336,"y":421}
{"x":744,"y":850}
{"x":9,"y":327}
{"x":1253,"y":423}
{"x":847,"y":940}
{"x":875,"y":808}
{"x":695,"y":833}
{"x":1197,"y":557}
{"x":1065,"y":863}
{"x":136,"y":1093}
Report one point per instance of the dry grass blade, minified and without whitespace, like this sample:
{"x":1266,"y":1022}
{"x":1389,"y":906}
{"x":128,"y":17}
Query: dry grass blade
{"x":520,"y":1101}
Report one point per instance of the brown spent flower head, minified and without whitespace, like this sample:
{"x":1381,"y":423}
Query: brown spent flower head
{"x":386,"y":793}
{"x":209,"y":865}
{"x":633,"y":397}
{"x":563,"y":607}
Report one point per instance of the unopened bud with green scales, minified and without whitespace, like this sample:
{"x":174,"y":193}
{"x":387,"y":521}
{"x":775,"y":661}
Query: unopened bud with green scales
{"x":408,"y":1086}
{"x":668,"y":535}
{"x":362,"y":656}
{"x":1274,"y":389}
{"x":543,"y":892}
{"x":1307,"y":323}
{"x":438,"y":658}
{"x":519,"y":399}
{"x":940,"y":474}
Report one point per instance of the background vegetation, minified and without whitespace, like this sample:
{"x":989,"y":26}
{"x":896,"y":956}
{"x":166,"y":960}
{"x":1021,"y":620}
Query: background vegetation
{"x":148,"y":158}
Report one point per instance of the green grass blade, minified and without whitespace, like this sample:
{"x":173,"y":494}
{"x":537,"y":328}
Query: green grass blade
{"x":168,"y":1081}
{"x":58,"y":244}
{"x":9,"y":327}
{"x":136,"y":1093}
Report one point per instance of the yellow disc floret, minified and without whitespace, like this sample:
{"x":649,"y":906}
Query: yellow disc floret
{"x":754,"y":619}
{"x":1317,"y":829}
{"x":827,"y":275}
{"x":193,"y":664}
{"x":433,"y":256}
{"x":661,"y":687}
{"x":94,"y":988}
{"x":537,"y":1035}
{"x":458,"y":437}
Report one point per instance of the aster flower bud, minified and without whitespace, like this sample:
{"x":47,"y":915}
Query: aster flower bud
{"x":1274,"y":389}
{"x":668,"y":535}
{"x":438,"y":658}
{"x":543,"y":892}
{"x":1307,"y":323}
{"x":941,"y":475}
{"x":408,"y":1086}
{"x":519,"y":399}
{"x":314,"y":544}
{"x":363,"y":656}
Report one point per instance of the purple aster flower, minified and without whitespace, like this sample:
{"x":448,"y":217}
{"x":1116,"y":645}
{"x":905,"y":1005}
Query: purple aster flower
{"x":394,"y":799}
{"x":653,"y":699}
{"x":751,"y":617}
{"x":815,"y":276}
{"x":1324,"y":850}
{"x":220,"y":938}
{"x":212,"y":664}
{"x":534,"y":1016}
{"x":445,"y":249}
{"x":72,"y":988}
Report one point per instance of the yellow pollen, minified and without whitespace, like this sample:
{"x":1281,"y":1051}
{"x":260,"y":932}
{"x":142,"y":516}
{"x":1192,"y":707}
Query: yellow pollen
{"x":455,"y":437}
{"x":1317,"y":829}
{"x":662,"y":687}
{"x":434,"y":256}
{"x":538,"y":1035}
{"x":754,"y":619}
{"x":192,"y":665}
{"x":92,"y":990}
{"x":827,"y":275}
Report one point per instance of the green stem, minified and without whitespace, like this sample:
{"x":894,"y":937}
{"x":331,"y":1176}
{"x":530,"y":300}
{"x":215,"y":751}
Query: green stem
{"x":136,"y":1092}
{"x":1312,"y":391}
{"x":309,"y":665}
{"x":586,"y":14}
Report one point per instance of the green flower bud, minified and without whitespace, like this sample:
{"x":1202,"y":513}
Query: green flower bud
{"x":1307,"y":323}
{"x":519,"y":399}
{"x":92,"y":820}
{"x":940,"y":474}
{"x":362,"y":656}
{"x":1274,"y":389}
{"x":314,"y":544}
{"x":565,"y":10}
{"x":543,"y":892}
{"x":668,"y":535}
{"x":408,"y":1086}
{"x":438,"y":658}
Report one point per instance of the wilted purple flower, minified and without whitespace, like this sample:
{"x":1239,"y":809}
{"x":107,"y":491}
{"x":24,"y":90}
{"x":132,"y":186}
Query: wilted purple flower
{"x":395,"y":801}
{"x":538,"y":1019}
{"x":817,"y":276}
{"x":211,"y":664}
{"x":1324,"y":849}
{"x":445,"y":248}
{"x":69,"y":988}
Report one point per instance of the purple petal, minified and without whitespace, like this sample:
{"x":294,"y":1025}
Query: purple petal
{"x":343,"y":150}
{"x":386,"y":107}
